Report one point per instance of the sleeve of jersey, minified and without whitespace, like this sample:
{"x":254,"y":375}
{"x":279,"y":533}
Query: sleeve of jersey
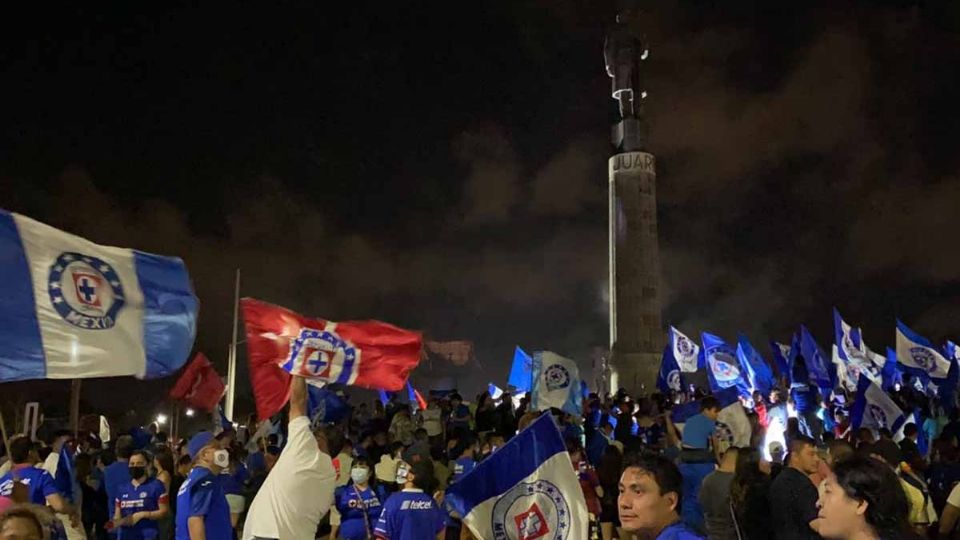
{"x":160,"y":492}
{"x":439,"y":519}
{"x":49,"y":487}
{"x":382,"y":530}
{"x":201,"y":498}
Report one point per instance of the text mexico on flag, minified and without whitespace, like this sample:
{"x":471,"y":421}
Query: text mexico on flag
{"x":70,"y":308}
{"x":526,"y":489}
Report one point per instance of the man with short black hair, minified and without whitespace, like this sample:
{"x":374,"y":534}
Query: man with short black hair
{"x":793,"y":497}
{"x":650,"y":496}
{"x":41,"y":488}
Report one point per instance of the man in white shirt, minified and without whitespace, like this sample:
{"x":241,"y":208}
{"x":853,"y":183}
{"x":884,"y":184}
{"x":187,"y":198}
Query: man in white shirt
{"x":298,"y":492}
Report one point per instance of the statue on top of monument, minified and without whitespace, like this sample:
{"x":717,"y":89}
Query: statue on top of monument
{"x":624,"y":51}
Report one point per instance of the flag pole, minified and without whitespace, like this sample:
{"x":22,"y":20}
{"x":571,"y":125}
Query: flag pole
{"x":232,"y":355}
{"x":75,"y":406}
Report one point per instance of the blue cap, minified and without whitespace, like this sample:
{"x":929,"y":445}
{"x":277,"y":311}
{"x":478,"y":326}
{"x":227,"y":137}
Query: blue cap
{"x":197,"y":443}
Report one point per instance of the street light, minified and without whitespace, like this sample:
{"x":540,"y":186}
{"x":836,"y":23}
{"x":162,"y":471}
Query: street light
{"x":161,"y":419}
{"x":190,"y":412}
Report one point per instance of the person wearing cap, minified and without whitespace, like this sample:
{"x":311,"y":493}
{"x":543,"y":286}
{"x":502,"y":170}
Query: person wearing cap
{"x":298,"y":492}
{"x":412,"y":514}
{"x":202,"y":509}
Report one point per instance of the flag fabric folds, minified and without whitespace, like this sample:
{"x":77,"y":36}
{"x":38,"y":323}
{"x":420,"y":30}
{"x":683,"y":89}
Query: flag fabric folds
{"x":818,"y":365}
{"x":891,"y":373}
{"x":494,"y":391}
{"x":759,"y":374}
{"x":526,"y":489}
{"x":369,"y":354}
{"x":521,"y":372}
{"x":414,"y":397}
{"x":723,"y":369}
{"x":669,"y":378}
{"x":686,"y":352}
{"x":556,"y":383}
{"x":199,"y":385}
{"x":853,"y":357}
{"x":781,"y":359}
{"x":918,"y":355}
{"x":324,"y":405}
{"x":382,"y":396}
{"x":873,"y":408}
{"x":64,"y":478}
{"x":70,"y":308}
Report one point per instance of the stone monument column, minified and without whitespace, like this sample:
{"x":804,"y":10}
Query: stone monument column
{"x":636,"y":333}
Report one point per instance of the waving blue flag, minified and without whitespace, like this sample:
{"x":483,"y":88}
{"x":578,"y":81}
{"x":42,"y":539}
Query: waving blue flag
{"x":723,"y":369}
{"x":685,"y":352}
{"x":819,"y":366}
{"x":326,"y":406}
{"x":854,"y":358}
{"x":382,"y":395}
{"x":521,"y":372}
{"x":758,"y":371}
{"x":64,"y":477}
{"x":781,"y":359}
{"x":669,"y":379}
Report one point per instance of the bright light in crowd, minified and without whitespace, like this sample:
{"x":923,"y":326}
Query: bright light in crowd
{"x":190,"y":412}
{"x":161,"y":419}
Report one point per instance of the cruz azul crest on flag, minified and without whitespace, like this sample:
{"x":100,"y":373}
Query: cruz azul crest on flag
{"x":315,"y":352}
{"x":85,"y":291}
{"x":530,"y":511}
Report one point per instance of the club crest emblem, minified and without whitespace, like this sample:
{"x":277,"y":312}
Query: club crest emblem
{"x":673,"y":380}
{"x":85,"y":291}
{"x":880,"y":417}
{"x":557,"y":377}
{"x":723,"y":367}
{"x":317,"y":352}
{"x":532,"y":511}
{"x":923,"y":358}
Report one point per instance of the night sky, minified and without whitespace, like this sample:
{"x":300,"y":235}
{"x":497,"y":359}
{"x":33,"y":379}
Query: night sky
{"x":443,"y":166}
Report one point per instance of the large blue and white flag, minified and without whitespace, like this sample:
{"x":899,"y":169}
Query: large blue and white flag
{"x":686,"y":352}
{"x":723,"y":369}
{"x":759,"y":374}
{"x":521,"y":372}
{"x":556,"y":383}
{"x":669,"y":378}
{"x":73,"y":309}
{"x":873,"y":408}
{"x":819,"y":366}
{"x":918,"y":355}
{"x":526,"y":489}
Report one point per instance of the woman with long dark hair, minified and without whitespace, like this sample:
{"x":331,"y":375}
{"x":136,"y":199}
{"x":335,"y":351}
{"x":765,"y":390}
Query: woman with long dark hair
{"x":863,"y":500}
{"x":163,"y":463}
{"x":748,"y":497}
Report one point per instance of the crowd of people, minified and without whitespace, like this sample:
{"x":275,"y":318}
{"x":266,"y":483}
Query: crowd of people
{"x":680,"y":466}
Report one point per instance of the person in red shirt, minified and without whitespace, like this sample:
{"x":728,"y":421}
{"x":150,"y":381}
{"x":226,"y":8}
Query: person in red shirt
{"x":589,"y":481}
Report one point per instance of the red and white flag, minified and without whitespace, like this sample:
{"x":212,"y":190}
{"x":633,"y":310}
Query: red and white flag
{"x":370,"y":354}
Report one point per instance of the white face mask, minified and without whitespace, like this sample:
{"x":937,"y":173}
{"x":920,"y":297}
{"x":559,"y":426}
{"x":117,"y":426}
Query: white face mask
{"x":359,"y":475}
{"x":221,"y":458}
{"x":402,"y":474}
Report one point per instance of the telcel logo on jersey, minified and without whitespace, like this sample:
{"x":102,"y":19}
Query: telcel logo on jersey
{"x":319,"y":350}
{"x":85,"y":291}
{"x":531,"y":511}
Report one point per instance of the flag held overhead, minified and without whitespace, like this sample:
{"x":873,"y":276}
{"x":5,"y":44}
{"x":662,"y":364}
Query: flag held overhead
{"x":918,"y":355}
{"x":369,"y":354}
